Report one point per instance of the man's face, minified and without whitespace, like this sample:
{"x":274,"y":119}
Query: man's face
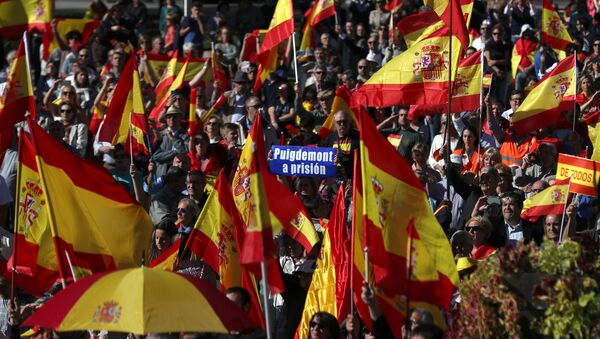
{"x":231,"y":136}
{"x":515,"y":101}
{"x":552,"y":227}
{"x":362,"y":67}
{"x":173,"y":121}
{"x":349,"y":28}
{"x":510,"y":208}
{"x":83,"y":55}
{"x":181,"y":162}
{"x":403,"y":118}
{"x":342,"y":124}
{"x":537,"y":187}
{"x":195,"y":185}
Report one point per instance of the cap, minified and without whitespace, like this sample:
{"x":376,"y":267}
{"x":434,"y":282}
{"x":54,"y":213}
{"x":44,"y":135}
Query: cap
{"x":525,"y":28}
{"x":324,"y":94}
{"x":174,"y":111}
{"x":240,"y":77}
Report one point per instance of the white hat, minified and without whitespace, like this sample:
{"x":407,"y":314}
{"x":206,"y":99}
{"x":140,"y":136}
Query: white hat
{"x":525,"y":28}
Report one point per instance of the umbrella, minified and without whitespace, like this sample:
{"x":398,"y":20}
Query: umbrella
{"x":140,"y":300}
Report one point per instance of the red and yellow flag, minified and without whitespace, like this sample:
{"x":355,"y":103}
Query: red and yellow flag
{"x":552,"y":95}
{"x":206,"y":115}
{"x":104,"y":227}
{"x":417,"y":76}
{"x":167,"y":76}
{"x":20,"y":16}
{"x":168,"y":259}
{"x":341,"y":102}
{"x":466,"y":93}
{"x":522,"y":54}
{"x":160,"y":64}
{"x":265,"y":68}
{"x":554,"y":31}
{"x":63,"y":26}
{"x":452,"y":11}
{"x":321,"y":10}
{"x":416,"y":26}
{"x":251,"y":43}
{"x":549,"y":201}
{"x":329,"y":289}
{"x":393,"y":5}
{"x":176,"y":84}
{"x":280,"y":28}
{"x":16,"y":99}
{"x":393,"y":197}
{"x":593,"y":122}
{"x":125,"y":120}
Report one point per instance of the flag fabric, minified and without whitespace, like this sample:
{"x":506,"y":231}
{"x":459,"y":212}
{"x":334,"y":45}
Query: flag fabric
{"x":393,"y":5}
{"x":522,"y":54}
{"x":166,"y":78}
{"x":451,"y":10}
{"x":16,"y":99}
{"x":20,"y":16}
{"x":63,"y":26}
{"x":265,"y":67}
{"x":194,"y":124}
{"x":280,"y":28}
{"x":551,"y":95}
{"x":206,"y":115}
{"x":393,"y":197}
{"x":341,"y":102}
{"x":174,"y":85}
{"x":416,"y":26}
{"x":159,"y":64}
{"x":250,"y":45}
{"x":320,"y":11}
{"x":125,"y":120}
{"x":104,"y":228}
{"x":487,"y":81}
{"x":554,"y":31}
{"x":584,"y":174}
{"x":466,"y":91}
{"x":329,"y":289}
{"x":168,"y":259}
{"x":592,"y":120}
{"x":218,"y":71}
{"x":417,"y":76}
{"x":549,"y":201}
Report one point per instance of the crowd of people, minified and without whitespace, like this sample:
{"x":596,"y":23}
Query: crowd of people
{"x":477,"y":196}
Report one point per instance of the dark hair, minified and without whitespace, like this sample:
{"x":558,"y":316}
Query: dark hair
{"x":173,"y":174}
{"x":428,"y":331}
{"x":330,"y":322}
{"x":74,"y":34}
{"x":198,"y":173}
{"x":167,"y":224}
{"x":244,"y":295}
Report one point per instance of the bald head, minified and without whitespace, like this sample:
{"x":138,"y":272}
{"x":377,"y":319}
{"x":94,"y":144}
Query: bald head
{"x":343,"y":123}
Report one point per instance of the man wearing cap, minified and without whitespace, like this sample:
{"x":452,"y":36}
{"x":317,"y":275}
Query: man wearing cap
{"x":236,"y":98}
{"x":484,"y":35}
{"x":174,"y":141}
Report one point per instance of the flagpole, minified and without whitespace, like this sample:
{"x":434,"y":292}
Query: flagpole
{"x":575,"y":93}
{"x":295,"y":57}
{"x":353,"y":236}
{"x":130,"y":140}
{"x":263,"y":271}
{"x":26,"y":45}
{"x":70,"y":266}
{"x":408,"y":275}
{"x":448,"y":117}
{"x":13,"y":274}
{"x":479,"y":160}
{"x":562,"y":221}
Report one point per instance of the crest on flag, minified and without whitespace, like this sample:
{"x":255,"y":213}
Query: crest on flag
{"x":561,"y":86}
{"x":431,"y":62}
{"x":557,"y":195}
{"x":109,"y":312}
{"x":30,"y":204}
{"x":554,"y":26}
{"x":461,"y":85}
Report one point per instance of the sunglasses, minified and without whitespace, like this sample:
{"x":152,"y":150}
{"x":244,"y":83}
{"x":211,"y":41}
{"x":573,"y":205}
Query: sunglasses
{"x":473,"y":229}
{"x":317,"y":325}
{"x":253,"y":106}
{"x":182,"y":210}
{"x":210,"y":123}
{"x":496,"y":33}
{"x":68,"y":93}
{"x":361,"y":66}
{"x":66,"y":110}
{"x":318,"y":72}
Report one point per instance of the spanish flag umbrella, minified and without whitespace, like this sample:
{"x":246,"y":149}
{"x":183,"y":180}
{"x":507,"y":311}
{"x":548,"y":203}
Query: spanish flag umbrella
{"x":141,"y":301}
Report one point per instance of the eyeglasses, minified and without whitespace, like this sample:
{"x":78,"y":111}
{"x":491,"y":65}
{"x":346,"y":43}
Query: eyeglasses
{"x":253,"y":106}
{"x":66,"y":110}
{"x":68,"y":93}
{"x":473,"y":229}
{"x":361,"y":66}
{"x":182,"y":210}
{"x":317,"y":325}
{"x":371,"y":42}
{"x":318,"y":72}
{"x":210,"y":123}
{"x":596,"y":44}
{"x":483,"y":28}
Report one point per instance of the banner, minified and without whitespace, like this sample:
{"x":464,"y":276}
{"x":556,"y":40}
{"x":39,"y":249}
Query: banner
{"x":585,"y":173}
{"x":303,"y":161}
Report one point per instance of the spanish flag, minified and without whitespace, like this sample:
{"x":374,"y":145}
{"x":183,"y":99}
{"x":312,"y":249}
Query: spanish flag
{"x":419,"y":25}
{"x":265,"y":68}
{"x":281,"y":27}
{"x":125,"y":120}
{"x":104,"y":228}
{"x":220,"y":101}
{"x":393,"y":198}
{"x":466,"y":91}
{"x":329,"y":289}
{"x":320,"y":11}
{"x":446,"y":9}
{"x":251,"y":43}
{"x":549,"y":201}
{"x":167,"y":76}
{"x":168,"y":259}
{"x":552,"y":95}
{"x":160,"y":63}
{"x":393,"y":5}
{"x":341,"y":102}
{"x":218,"y":71}
{"x":16,"y":99}
{"x":593,"y":122}
{"x":522,"y":54}
{"x":418,"y":76}
{"x":193,"y":124}
{"x":215,"y":239}
{"x":554,"y":31}
{"x":20,"y":16}
{"x":176,"y":84}
{"x":63,"y":26}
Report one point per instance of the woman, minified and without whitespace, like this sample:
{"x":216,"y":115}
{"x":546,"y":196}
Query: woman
{"x":169,"y":8}
{"x":587,"y":98}
{"x":76,"y":133}
{"x":162,"y":238}
{"x":66,"y":93}
{"x":86,"y":93}
{"x":419,"y":157}
{"x":228,"y":49}
{"x":491,"y":157}
{"x":497,"y":56}
{"x":323,"y":325}
{"x":480,"y":229}
{"x":283,"y":112}
{"x":213,"y":129}
{"x":468,"y":150}
{"x":206,"y":157}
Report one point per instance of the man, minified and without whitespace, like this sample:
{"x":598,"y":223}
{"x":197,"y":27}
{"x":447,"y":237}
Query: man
{"x":545,"y":170}
{"x":484,"y":31}
{"x":253,"y":107}
{"x":196,"y":183}
{"x":174,"y":141}
{"x":191,"y":31}
{"x":234,"y":108}
{"x":345,"y":139}
{"x":552,"y":227}
{"x":364,"y":73}
{"x":165,"y":201}
{"x":317,"y":80}
{"x":516,"y":228}
{"x":407,"y":130}
{"x":322,"y":111}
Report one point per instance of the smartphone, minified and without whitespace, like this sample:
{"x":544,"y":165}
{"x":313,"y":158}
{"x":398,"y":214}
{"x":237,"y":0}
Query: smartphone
{"x":494,"y":200}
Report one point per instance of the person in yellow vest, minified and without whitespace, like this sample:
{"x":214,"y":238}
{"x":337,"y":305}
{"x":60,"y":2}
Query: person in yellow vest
{"x":514,"y":147}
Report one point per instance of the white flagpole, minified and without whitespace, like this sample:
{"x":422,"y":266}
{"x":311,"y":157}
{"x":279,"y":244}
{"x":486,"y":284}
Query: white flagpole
{"x":295,"y":57}
{"x":267,"y":310}
{"x":71,"y":266}
{"x":562,"y":221}
{"x":130,"y":139}
{"x":26,"y":45}
{"x":575,"y":100}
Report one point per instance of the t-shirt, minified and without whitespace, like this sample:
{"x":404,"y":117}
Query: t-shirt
{"x":193,"y":35}
{"x":345,"y":152}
